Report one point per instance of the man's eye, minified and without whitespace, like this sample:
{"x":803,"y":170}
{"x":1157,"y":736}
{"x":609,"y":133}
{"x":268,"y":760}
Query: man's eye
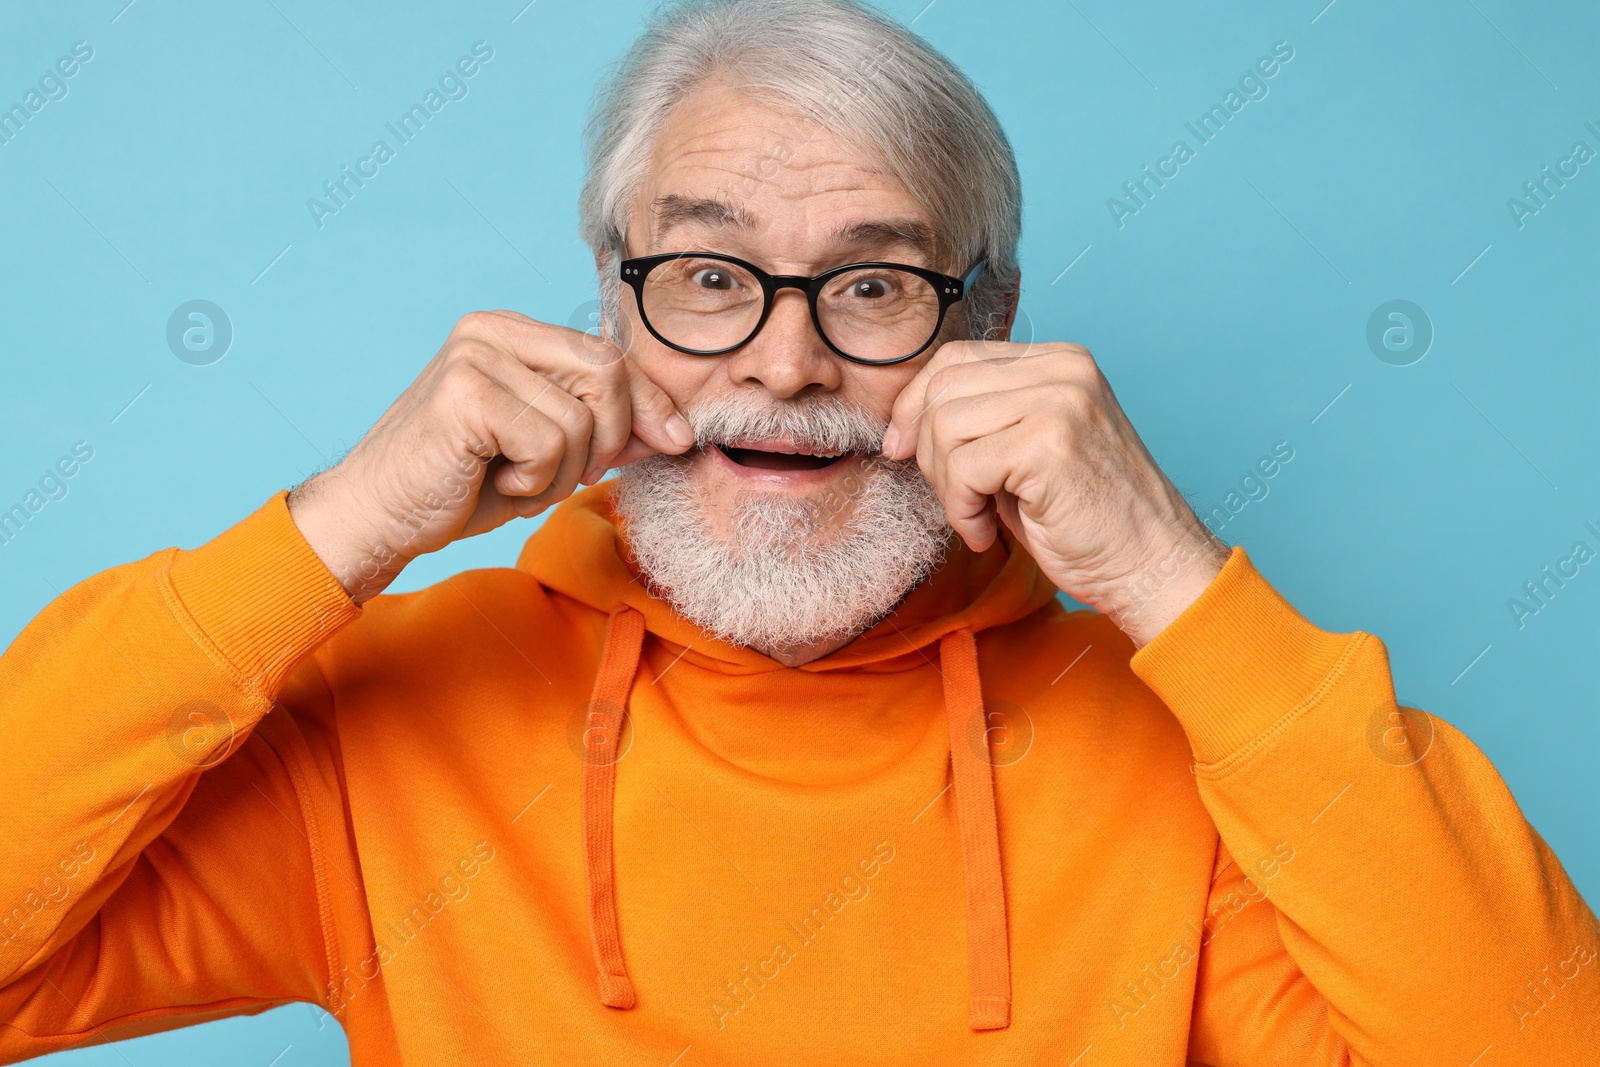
{"x":713,"y":278}
{"x":871,"y":288}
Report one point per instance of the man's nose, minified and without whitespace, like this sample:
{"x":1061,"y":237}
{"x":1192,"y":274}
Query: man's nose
{"x":788,"y":358}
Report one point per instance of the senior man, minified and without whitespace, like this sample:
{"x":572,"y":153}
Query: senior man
{"x":779,"y":747}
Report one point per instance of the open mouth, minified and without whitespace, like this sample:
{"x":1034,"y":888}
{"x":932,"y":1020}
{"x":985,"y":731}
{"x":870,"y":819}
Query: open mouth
{"x":773,"y":456}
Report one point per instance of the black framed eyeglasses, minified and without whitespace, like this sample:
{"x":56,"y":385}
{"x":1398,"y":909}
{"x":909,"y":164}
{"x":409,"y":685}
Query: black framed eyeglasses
{"x":706,"y":304}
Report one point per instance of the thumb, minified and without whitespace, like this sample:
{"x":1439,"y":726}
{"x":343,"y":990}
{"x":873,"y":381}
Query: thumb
{"x":657,"y":423}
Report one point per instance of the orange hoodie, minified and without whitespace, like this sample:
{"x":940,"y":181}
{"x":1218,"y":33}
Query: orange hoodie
{"x":1222,"y":849}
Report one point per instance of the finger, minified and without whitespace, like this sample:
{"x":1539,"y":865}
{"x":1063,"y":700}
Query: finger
{"x":588,"y":367}
{"x":632,"y":416}
{"x":657,"y":422}
{"x":529,"y":445}
{"x":573,"y":416}
{"x":633,"y":452}
{"x":973,"y":475}
{"x":541,"y":431}
{"x":654,"y":426}
{"x":899,"y":440}
{"x":952,"y":424}
{"x":600,"y":380}
{"x":533,"y":472}
{"x":637,"y":447}
{"x":980,"y":368}
{"x":1007,"y":508}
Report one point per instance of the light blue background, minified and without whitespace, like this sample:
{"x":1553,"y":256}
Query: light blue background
{"x":1228,"y":313}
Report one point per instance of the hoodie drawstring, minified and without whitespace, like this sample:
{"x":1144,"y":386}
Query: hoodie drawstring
{"x":988,"y":949}
{"x":601,"y":736}
{"x":972,"y":776}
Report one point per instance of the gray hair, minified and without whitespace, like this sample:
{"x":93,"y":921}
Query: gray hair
{"x":922,"y":121}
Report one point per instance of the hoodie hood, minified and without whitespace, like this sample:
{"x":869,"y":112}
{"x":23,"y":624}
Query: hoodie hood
{"x":580,"y":553}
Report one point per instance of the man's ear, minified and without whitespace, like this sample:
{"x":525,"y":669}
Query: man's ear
{"x":1012,"y":289}
{"x":611,"y":331}
{"x":1013,"y":298}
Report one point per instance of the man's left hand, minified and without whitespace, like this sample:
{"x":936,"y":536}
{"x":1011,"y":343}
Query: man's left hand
{"x":1031,"y":435}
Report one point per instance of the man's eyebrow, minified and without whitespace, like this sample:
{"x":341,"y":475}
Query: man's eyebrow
{"x":674,"y":209}
{"x":909,"y":232}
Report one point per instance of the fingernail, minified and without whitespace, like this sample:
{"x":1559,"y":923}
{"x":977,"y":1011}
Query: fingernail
{"x":678,"y":429}
{"x":891,"y":440}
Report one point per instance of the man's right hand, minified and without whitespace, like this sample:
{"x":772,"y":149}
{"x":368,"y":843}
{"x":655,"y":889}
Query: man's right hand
{"x":507,"y":420}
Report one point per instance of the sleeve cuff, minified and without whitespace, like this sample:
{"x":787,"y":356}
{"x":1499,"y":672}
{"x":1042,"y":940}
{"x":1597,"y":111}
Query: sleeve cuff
{"x":259,"y":596}
{"x":1238,"y":659}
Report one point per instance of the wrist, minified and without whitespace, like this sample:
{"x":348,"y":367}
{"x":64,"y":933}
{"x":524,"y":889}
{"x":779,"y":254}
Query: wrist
{"x":1154,"y":593}
{"x":330,"y":524}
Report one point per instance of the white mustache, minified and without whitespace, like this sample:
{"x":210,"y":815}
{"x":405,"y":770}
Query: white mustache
{"x":827,"y":424}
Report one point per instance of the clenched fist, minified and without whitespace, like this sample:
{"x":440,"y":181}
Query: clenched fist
{"x":507,"y":420}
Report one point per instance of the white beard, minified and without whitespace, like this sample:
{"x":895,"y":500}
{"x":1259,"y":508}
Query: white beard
{"x":786,"y":577}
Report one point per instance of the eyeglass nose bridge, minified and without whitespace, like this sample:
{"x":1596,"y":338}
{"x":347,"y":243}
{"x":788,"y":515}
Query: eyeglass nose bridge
{"x":790,"y":281}
{"x":776,"y":283}
{"x":773,"y":284}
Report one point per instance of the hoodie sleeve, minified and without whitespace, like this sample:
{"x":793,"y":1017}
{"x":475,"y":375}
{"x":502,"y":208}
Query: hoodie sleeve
{"x":1382,"y":898}
{"x":172,"y":857}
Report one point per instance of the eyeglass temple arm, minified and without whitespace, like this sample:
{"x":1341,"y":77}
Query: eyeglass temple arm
{"x":966,"y":279}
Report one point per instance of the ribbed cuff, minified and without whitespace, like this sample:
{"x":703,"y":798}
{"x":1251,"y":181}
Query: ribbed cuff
{"x":1237,"y":660}
{"x":260,"y":595}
